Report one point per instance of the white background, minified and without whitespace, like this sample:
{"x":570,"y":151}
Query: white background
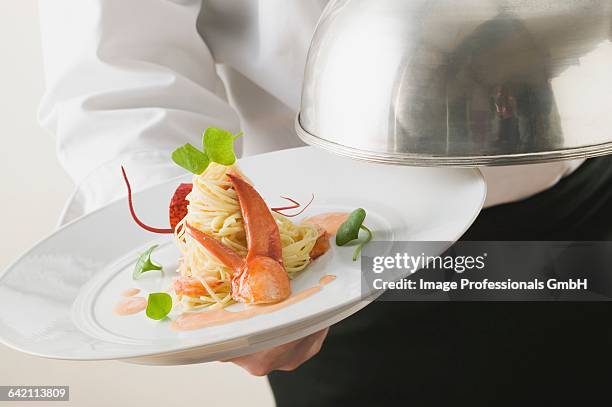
{"x":33,"y":191}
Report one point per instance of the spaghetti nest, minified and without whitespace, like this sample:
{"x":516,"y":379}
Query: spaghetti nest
{"x":214,"y":209}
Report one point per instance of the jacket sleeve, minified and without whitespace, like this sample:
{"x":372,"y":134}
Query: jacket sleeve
{"x":126,"y":83}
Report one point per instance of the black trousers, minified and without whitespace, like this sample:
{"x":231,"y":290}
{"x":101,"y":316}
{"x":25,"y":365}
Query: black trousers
{"x":478,"y":354}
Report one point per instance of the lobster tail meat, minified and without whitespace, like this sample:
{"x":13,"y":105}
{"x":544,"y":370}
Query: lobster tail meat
{"x":178,"y":204}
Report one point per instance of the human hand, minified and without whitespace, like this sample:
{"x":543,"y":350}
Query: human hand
{"x":286,"y":357}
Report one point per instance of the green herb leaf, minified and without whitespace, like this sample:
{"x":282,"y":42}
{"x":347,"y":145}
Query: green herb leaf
{"x":144,"y":263}
{"x":349,"y":230}
{"x":219,"y":145}
{"x":159,"y":305}
{"x":191,"y":159}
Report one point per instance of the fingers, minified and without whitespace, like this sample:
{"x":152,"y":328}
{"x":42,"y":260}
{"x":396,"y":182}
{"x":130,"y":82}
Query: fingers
{"x":307,"y":348}
{"x":261,"y":363}
{"x":285,"y":357}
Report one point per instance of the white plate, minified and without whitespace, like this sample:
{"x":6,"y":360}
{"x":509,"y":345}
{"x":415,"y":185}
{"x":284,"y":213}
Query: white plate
{"x":57,"y":300}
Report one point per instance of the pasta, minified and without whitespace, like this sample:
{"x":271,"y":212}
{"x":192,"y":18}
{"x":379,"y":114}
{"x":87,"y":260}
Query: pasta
{"x":214,"y":209}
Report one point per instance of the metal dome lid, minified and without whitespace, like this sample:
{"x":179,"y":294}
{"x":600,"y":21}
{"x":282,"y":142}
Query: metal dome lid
{"x":447,"y":83}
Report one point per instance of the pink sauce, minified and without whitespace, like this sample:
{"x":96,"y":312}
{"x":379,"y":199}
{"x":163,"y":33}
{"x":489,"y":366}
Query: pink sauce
{"x":131,"y":292}
{"x":130,"y":305}
{"x":326,"y":279}
{"x":328,"y":221}
{"x":191,"y":321}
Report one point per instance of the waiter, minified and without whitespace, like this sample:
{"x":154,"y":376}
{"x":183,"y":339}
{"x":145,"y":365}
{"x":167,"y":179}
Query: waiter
{"x":129,"y":80}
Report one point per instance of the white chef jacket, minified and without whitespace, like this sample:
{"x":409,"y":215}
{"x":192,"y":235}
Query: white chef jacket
{"x":130,"y":80}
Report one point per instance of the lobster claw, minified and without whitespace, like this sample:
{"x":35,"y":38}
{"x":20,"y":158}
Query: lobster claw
{"x":223,"y":253}
{"x":263,"y":279}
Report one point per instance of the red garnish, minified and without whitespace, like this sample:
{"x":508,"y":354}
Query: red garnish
{"x":295,"y":205}
{"x":138,"y":221}
{"x":278,"y":210}
{"x":178,"y":205}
